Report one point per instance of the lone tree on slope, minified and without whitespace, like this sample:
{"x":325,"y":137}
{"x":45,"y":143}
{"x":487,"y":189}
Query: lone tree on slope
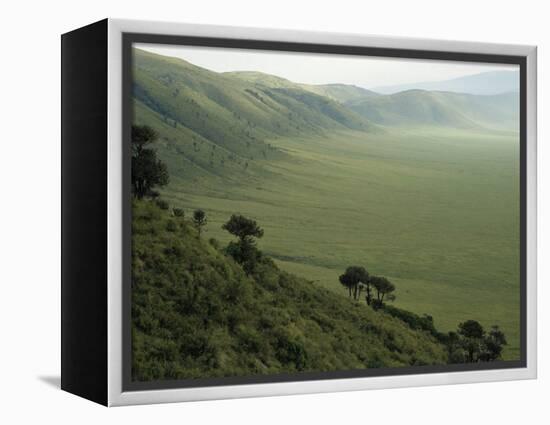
{"x":199,"y":220}
{"x":244,"y":250}
{"x":148,"y":172}
{"x":244,"y":228}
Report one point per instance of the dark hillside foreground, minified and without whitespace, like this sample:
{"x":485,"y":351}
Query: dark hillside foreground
{"x":197,"y":314}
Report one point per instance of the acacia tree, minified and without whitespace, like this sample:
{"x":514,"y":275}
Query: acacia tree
{"x":244,"y":251}
{"x":494,"y":343}
{"x":471,"y":329}
{"x":383,"y":288}
{"x":346,"y":281}
{"x":148,"y":172}
{"x":352,"y":278}
{"x":368,"y":287}
{"x":199,"y":220}
{"x":244,"y":228}
{"x":472,"y":334}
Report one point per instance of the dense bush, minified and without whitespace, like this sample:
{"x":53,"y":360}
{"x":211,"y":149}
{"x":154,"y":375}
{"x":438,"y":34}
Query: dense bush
{"x":414,"y":321}
{"x":214,"y":242}
{"x":162,"y":204}
{"x":469,"y":344}
{"x":178,"y":212}
{"x":171,"y":226}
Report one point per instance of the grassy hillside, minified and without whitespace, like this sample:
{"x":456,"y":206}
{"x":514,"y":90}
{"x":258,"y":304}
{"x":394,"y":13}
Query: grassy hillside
{"x":339,"y":92}
{"x":431,"y":202}
{"x":231,"y":112}
{"x":436,"y":211}
{"x":263,"y":79}
{"x":218,"y":128}
{"x":196,"y":314}
{"x":444,"y":109}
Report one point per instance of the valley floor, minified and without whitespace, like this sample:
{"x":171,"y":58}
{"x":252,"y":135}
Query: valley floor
{"x":435,"y":211}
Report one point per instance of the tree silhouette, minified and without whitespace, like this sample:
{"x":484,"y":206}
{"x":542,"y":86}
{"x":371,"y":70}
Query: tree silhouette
{"x":471,"y":329}
{"x":494,"y":343}
{"x":244,"y":250}
{"x":244,"y":228}
{"x":199,"y":220}
{"x":352,"y":278}
{"x":471,"y":344}
{"x":472,"y":334}
{"x":178,"y":212}
{"x":383,"y":288}
{"x":148,"y":172}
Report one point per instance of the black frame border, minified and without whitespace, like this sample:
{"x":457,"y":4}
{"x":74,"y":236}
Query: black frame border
{"x":84,"y":238}
{"x":128,"y":39}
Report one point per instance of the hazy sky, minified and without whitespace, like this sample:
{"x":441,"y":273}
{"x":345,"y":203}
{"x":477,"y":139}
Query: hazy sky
{"x":311,"y":68}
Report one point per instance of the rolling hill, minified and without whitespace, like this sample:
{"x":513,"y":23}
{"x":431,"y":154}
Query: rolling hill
{"x":222,"y":123}
{"x":485,"y":83}
{"x":338,"y":92}
{"x":196,"y":314}
{"x":221,"y":126}
{"x":444,"y":109}
{"x":235,"y":116}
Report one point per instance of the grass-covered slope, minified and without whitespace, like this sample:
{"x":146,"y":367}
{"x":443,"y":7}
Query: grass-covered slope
{"x":217,"y":128}
{"x":339,"y":92}
{"x":220,"y":126}
{"x":412,"y":206}
{"x":195,"y":313}
{"x":229,"y":111}
{"x":443,"y":109}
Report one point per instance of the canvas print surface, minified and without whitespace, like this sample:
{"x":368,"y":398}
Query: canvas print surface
{"x":298,"y":212}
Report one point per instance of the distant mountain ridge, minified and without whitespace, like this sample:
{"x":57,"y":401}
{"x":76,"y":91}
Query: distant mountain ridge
{"x":485,"y":83}
{"x":434,"y":108}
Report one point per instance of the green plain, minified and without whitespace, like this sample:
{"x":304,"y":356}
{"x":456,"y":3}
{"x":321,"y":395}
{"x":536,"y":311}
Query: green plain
{"x":434,"y":210}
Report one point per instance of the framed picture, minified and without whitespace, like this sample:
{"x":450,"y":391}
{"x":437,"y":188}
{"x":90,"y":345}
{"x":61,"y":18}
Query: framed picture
{"x":253,"y":212}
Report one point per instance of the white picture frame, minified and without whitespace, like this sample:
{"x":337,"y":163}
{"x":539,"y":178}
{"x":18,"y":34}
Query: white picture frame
{"x":116,"y":395}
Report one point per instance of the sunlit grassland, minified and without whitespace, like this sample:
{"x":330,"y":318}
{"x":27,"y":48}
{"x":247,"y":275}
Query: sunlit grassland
{"x":436,"y":211}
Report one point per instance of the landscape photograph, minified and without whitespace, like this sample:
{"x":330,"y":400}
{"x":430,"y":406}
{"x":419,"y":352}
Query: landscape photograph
{"x":298,"y":212}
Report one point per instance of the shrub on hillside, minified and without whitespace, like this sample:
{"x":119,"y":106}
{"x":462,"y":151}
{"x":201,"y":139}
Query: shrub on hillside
{"x":178,"y":212}
{"x":171,"y":226}
{"x":162,"y":204}
{"x":214,"y":242}
{"x":414,"y":321}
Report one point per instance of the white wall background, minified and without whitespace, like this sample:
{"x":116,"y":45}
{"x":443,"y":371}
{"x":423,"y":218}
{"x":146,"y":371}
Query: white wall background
{"x":30,"y":212}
